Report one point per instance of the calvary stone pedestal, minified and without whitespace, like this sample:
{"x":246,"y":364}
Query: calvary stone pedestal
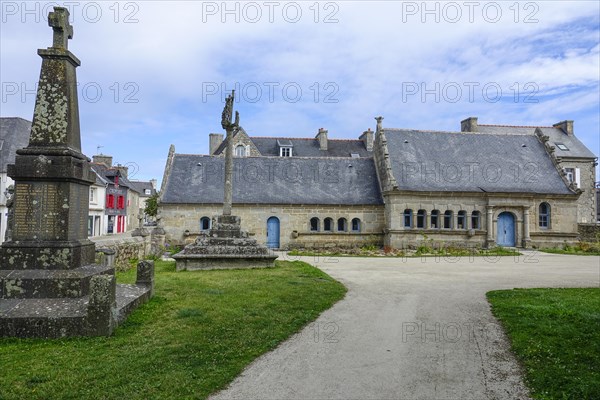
{"x":49,"y":286}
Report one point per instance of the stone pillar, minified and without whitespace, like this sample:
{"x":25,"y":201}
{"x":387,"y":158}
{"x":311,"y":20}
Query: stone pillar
{"x":414,"y":219}
{"x":489,"y":242}
{"x":526,"y":239}
{"x":228,"y":197}
{"x":102,"y":308}
{"x":426,"y":222}
{"x":145,"y":274}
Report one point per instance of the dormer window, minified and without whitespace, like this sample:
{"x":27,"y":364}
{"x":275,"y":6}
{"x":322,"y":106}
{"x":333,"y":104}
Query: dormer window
{"x":240,"y":150}
{"x":285,"y":147}
{"x":354,"y":155}
{"x":562,"y":146}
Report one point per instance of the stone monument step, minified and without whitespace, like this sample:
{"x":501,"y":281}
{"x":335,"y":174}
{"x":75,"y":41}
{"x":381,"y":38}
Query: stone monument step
{"x":48,"y":318}
{"x":130,"y":297}
{"x":226,"y":227}
{"x":227,"y":233}
{"x":226,"y":241}
{"x":39,"y":283}
{"x":228,"y":219}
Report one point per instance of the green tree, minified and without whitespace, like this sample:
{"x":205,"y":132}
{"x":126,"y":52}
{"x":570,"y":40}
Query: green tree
{"x":152,"y":205}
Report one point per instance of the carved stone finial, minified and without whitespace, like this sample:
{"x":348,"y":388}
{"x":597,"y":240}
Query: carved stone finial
{"x":227,"y":115}
{"x":63,"y":30}
{"x":379,"y":126}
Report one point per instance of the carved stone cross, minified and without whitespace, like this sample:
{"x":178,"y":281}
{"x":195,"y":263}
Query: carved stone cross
{"x":63,"y":30}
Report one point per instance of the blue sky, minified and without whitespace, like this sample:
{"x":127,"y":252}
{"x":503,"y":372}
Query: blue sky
{"x":155,"y":73}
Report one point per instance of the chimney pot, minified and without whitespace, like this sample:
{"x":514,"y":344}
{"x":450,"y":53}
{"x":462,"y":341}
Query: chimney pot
{"x":469,"y":125}
{"x":566,"y":127}
{"x":215,"y":140}
{"x":322,"y":137}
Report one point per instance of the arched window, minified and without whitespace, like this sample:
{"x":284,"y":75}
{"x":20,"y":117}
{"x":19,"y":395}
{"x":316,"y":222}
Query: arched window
{"x":408,"y":218}
{"x":435,"y":219}
{"x":355,"y":225}
{"x":328,"y":224}
{"x":314,"y":224}
{"x":342,"y":225}
{"x":448,"y":219}
{"x":476,"y":220}
{"x":204,"y":223}
{"x":421,"y":218}
{"x":461,"y":220}
{"x":240,"y":150}
{"x":544,"y":215}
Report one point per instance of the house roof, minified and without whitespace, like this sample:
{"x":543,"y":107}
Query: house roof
{"x":109,"y":174}
{"x":273,"y":180}
{"x":14,"y":135}
{"x":306,"y":147}
{"x":576,"y":148}
{"x":142,"y":186}
{"x":471,"y":162}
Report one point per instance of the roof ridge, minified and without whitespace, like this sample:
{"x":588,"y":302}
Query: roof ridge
{"x":279,"y":157}
{"x":302,"y":138}
{"x":517,"y":126}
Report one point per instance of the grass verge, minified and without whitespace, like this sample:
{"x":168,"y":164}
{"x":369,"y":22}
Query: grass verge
{"x":198,"y":332}
{"x":555,"y":333}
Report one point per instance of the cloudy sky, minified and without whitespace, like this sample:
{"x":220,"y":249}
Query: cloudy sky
{"x":156,"y":73}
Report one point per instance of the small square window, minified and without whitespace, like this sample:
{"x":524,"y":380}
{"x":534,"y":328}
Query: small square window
{"x":562,"y":146}
{"x":285,"y":152}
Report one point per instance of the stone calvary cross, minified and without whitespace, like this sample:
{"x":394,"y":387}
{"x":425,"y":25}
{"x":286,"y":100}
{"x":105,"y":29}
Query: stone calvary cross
{"x":63,"y":30}
{"x":231,"y":129}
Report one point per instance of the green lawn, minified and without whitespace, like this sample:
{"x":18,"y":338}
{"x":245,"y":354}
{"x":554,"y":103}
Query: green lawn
{"x":198,"y":332}
{"x":556,"y":335}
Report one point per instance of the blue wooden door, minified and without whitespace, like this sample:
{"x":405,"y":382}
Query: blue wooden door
{"x":273,"y":233}
{"x":506,"y":230}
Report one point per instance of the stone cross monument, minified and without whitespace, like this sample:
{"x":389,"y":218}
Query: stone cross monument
{"x":49,"y":284}
{"x":225,"y":245}
{"x":231,"y":129}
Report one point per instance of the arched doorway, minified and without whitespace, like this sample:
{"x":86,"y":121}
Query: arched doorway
{"x":273,"y":233}
{"x":505,"y":233}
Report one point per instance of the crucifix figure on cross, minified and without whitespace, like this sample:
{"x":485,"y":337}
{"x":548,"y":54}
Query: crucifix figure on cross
{"x":63,"y":30}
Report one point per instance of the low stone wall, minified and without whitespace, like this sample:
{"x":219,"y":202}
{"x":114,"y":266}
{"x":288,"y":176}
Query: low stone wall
{"x":126,"y":248}
{"x":589,"y":232}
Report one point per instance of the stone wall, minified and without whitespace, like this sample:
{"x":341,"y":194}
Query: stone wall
{"x":181,"y":223}
{"x":126,"y":248}
{"x":589,"y":232}
{"x":563,"y":217}
{"x":587,"y":200}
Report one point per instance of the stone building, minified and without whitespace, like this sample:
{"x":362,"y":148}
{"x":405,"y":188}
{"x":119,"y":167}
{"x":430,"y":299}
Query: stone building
{"x":482,"y":186}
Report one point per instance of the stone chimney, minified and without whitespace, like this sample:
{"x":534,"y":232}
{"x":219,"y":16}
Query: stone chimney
{"x":153,"y":183}
{"x":322,"y":136}
{"x":469,"y":125}
{"x":566,"y":126}
{"x":367,"y":138}
{"x":123,"y":169}
{"x":102,"y":159}
{"x":215,"y":140}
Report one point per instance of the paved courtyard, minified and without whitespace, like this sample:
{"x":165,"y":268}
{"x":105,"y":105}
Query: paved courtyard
{"x":409,"y":329}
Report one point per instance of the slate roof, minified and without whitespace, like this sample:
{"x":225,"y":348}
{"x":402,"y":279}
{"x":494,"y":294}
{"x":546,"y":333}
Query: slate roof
{"x":576,"y":148}
{"x":273,"y":180}
{"x":141,"y":186}
{"x":109,"y":174}
{"x":14,"y":135}
{"x":471,"y":162}
{"x":307,"y":147}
